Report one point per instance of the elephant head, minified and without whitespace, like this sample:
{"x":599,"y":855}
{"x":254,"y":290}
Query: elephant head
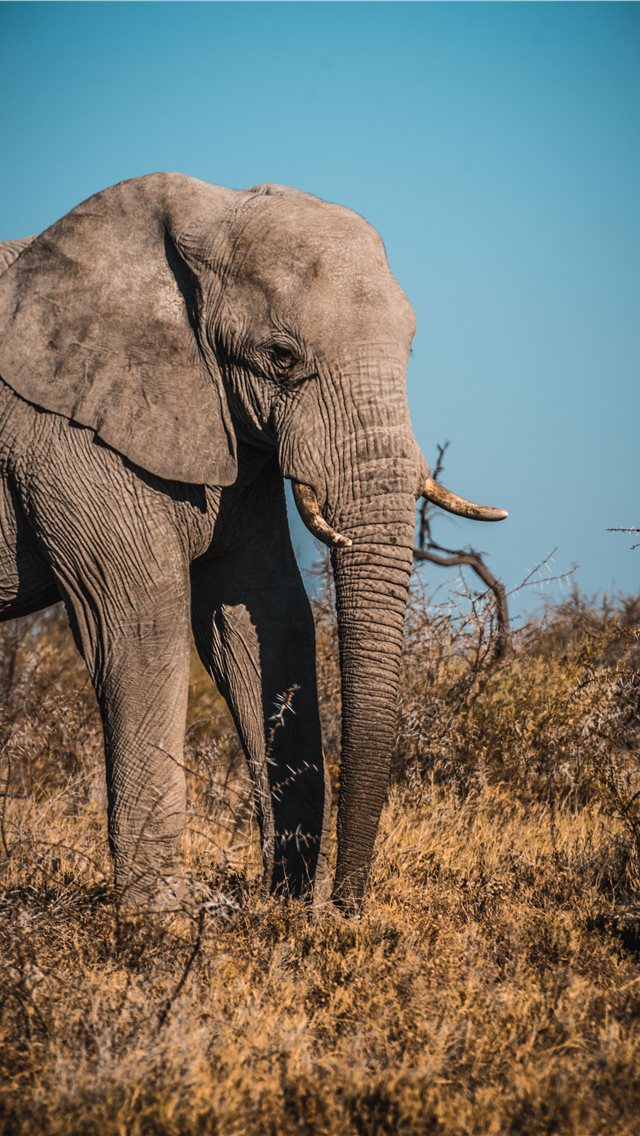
{"x":173,"y":317}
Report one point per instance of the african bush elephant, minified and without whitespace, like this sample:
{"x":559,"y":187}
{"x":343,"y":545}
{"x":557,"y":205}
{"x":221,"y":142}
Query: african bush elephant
{"x":170,"y":351}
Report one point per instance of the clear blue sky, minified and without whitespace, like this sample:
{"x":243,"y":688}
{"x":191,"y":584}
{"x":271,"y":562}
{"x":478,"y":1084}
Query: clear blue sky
{"x":495,"y":146}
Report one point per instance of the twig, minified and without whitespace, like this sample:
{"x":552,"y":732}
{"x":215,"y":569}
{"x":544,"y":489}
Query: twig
{"x":530,"y":580}
{"x":193,"y":954}
{"x":630,"y":530}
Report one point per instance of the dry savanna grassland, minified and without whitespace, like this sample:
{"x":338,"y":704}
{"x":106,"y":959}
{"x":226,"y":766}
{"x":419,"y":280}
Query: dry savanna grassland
{"x":492,"y":984}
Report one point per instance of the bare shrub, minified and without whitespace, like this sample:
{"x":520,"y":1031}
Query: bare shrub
{"x":546,"y":721}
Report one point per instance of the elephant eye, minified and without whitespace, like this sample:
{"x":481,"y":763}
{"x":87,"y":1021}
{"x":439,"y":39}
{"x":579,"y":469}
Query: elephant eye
{"x":282,"y":356}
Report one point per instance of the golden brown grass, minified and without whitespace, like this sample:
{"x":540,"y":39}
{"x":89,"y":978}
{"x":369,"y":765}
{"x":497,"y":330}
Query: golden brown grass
{"x":492,"y":985}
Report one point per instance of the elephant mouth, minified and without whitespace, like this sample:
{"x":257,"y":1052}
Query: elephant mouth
{"x":309,"y":509}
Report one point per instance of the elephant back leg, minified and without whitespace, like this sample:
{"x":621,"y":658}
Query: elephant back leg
{"x":26,"y":581}
{"x":254,"y":632}
{"x":118,"y":559}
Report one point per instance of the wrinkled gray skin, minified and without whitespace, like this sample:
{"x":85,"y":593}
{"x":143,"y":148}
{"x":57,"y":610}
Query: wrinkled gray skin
{"x":170,"y":350}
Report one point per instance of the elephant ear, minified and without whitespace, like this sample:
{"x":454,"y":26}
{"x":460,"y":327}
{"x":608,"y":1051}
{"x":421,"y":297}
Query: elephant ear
{"x":101,"y":321}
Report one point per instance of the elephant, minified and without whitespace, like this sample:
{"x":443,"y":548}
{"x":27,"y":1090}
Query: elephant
{"x":170,"y":352}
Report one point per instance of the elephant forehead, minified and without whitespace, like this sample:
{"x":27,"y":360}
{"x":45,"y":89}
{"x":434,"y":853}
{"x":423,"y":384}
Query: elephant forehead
{"x":353,"y":309}
{"x":301,"y":237}
{"x":320,"y":268}
{"x":360,"y":316}
{"x":326,"y":293}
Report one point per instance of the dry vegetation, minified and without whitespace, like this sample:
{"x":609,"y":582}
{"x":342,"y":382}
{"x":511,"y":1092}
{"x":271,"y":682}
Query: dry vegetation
{"x":492,"y":986}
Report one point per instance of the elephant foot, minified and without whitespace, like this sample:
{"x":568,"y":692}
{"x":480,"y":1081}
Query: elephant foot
{"x":349,"y":894}
{"x":141,"y":895}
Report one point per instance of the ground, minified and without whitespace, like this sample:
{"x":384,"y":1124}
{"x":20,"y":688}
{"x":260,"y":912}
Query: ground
{"x":492,"y":984}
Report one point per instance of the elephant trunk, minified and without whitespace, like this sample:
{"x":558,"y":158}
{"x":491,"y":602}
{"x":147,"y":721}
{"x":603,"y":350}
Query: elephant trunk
{"x":371,"y":580}
{"x":371,"y":538}
{"x":355,"y":484}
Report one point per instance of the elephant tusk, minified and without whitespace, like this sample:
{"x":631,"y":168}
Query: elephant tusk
{"x":436,"y":493}
{"x":309,"y":510}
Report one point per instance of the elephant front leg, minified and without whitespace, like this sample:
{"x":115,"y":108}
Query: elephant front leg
{"x":127,"y":595}
{"x":142,"y":690}
{"x":116,"y":547}
{"x":258,"y":644}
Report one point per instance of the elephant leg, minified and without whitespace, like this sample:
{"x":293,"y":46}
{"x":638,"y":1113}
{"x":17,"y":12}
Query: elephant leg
{"x":26,"y":581}
{"x":141,"y":683}
{"x":123,"y":572}
{"x":255,"y":636}
{"x":139,"y":663}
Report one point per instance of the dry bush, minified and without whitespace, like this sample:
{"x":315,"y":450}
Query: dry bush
{"x":551,"y":722}
{"x":492,"y":985}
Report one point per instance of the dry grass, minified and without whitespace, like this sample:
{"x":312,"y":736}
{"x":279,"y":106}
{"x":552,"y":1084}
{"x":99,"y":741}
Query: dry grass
{"x":492,"y":986}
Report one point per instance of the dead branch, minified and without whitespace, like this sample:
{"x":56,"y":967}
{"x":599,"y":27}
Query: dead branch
{"x":429,"y":550}
{"x":630,"y":530}
{"x":469,"y":558}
